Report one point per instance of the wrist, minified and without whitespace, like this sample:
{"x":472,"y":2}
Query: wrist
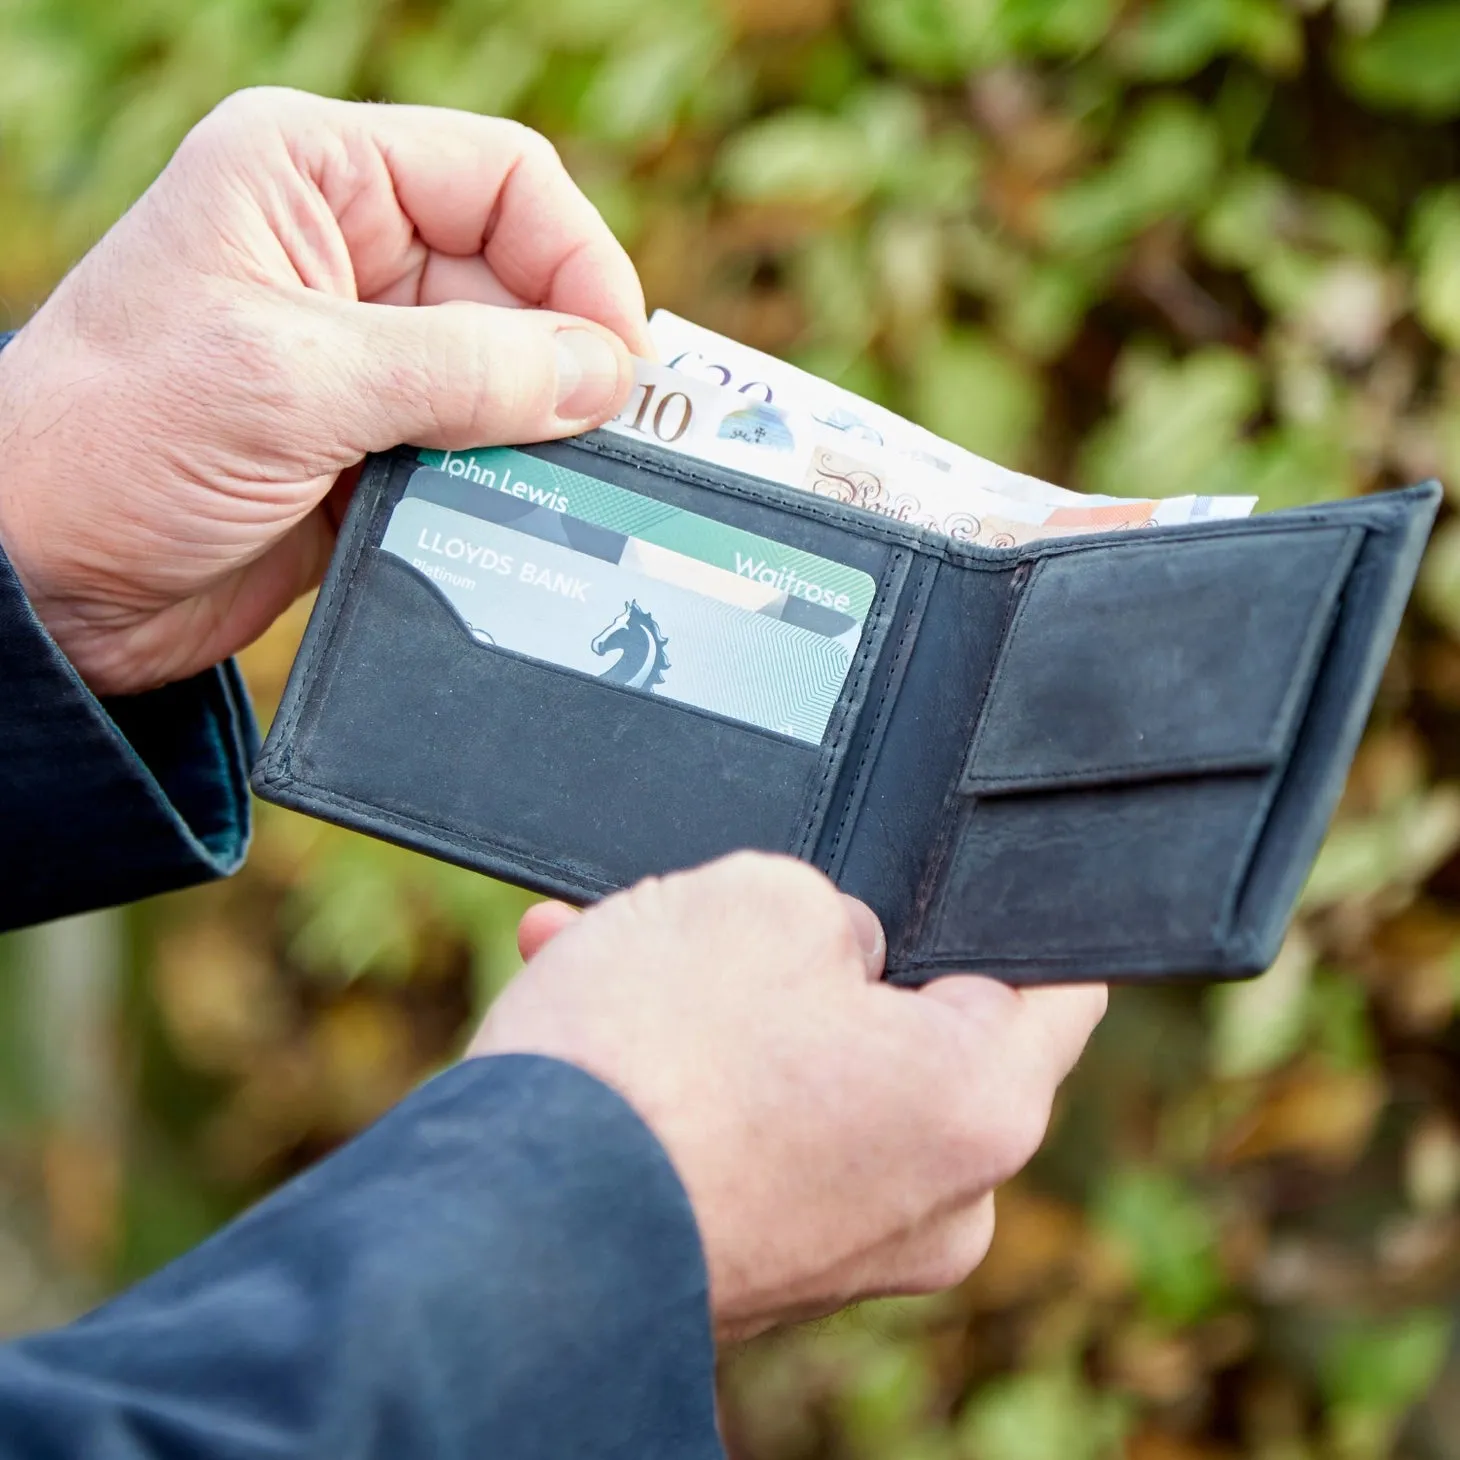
{"x":47,"y":454}
{"x":17,"y":473}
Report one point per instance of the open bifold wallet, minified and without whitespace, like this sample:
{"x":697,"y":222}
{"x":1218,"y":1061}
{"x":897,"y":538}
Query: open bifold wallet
{"x":1101,"y":757}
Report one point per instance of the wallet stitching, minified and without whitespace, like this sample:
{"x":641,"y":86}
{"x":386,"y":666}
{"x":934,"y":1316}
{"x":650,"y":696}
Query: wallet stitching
{"x":1060,"y":967}
{"x":316,"y":649}
{"x":931,"y":888}
{"x":565,"y":872}
{"x":1127,"y":773}
{"x":1156,"y":947}
{"x":801,"y":503}
{"x":1006,"y":650}
{"x":851,"y":704}
{"x":900,"y":655}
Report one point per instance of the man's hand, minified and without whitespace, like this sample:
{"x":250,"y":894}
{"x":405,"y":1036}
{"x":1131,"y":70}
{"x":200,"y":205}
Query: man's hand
{"x":839,"y":1138}
{"x":173,"y":419}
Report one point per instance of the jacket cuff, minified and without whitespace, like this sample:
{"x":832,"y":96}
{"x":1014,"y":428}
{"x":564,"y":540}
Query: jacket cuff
{"x":506,"y":1264}
{"x":107,"y":801}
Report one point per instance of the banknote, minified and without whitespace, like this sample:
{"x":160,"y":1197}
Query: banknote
{"x":522,"y":593}
{"x":781,"y":443}
{"x":702,"y":354}
{"x":471,"y":480}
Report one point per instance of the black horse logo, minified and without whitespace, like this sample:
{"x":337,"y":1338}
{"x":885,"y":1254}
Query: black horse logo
{"x":640,"y":645}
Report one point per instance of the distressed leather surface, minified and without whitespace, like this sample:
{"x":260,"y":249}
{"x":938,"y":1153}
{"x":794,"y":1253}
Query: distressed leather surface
{"x":1104,"y":757}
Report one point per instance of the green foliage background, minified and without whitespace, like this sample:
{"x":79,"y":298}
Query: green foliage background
{"x":1142,"y":246}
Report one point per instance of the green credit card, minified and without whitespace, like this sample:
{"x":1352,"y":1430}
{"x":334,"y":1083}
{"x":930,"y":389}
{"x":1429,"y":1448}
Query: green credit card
{"x":683,"y":607}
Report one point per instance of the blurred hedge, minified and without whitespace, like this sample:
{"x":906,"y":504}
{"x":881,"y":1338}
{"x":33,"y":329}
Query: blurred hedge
{"x":1180,"y":245}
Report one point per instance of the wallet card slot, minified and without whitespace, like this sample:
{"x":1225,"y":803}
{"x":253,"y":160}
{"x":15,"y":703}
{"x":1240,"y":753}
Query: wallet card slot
{"x":589,"y":785}
{"x":523,"y":757}
{"x":907,"y":611}
{"x":939,"y":668}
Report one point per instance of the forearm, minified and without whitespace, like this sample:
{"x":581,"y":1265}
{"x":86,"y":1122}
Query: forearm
{"x":505,"y":1265}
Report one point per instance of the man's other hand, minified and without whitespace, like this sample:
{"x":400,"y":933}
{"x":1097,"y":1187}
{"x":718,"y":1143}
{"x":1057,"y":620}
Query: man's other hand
{"x":307,"y":281}
{"x":839,"y":1138}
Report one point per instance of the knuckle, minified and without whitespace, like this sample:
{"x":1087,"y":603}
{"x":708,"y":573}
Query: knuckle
{"x":1020,"y":1133}
{"x":993,"y":1136}
{"x":789,"y":894}
{"x":234,"y":125}
{"x":532,"y":144}
{"x":803,"y":892}
{"x":960,"y":1247}
{"x":235,"y":116}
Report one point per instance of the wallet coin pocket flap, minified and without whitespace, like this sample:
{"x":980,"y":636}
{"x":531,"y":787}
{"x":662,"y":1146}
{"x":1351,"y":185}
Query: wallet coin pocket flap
{"x":1159,"y":659}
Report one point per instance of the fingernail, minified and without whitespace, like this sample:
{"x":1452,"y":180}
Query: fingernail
{"x":869,"y":933}
{"x":587,"y":375}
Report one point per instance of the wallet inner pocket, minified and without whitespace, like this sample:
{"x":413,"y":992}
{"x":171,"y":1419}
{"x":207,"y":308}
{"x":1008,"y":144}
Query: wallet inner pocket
{"x":1142,"y":709}
{"x":498,"y":755}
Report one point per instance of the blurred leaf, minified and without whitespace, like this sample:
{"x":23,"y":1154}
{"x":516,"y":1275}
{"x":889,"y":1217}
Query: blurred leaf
{"x":967,"y":389}
{"x":1338,"y":1018}
{"x":888,"y":1400}
{"x":941,"y":39}
{"x":1411,"y":62}
{"x":1040,"y":1415}
{"x":354,"y":911}
{"x":490,"y":75}
{"x":1169,"y":1238}
{"x":1176,"y":38}
{"x":575,"y":25}
{"x":1176,"y":424}
{"x":1393,"y":850}
{"x":1320,"y":1114}
{"x":1054,"y":27}
{"x":639,"y":89}
{"x":1167,"y":164}
{"x":1250,"y":211}
{"x":1439,"y":585}
{"x":1259,"y":1024}
{"x":1435,"y":242}
{"x":801,"y":157}
{"x":1386,"y":1365}
{"x":1044,"y":313}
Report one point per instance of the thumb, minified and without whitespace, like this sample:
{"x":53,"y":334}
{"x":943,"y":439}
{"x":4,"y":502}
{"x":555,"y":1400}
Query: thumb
{"x":540,"y":924}
{"x":456,"y":375}
{"x":1045,"y":1028}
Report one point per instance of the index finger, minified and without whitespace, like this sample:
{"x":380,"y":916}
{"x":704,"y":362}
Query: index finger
{"x":474,"y":187}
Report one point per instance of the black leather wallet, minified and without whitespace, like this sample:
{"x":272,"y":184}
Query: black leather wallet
{"x":1104,"y":757}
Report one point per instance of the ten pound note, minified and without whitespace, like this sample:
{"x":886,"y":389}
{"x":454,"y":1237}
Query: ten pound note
{"x":722,"y":402}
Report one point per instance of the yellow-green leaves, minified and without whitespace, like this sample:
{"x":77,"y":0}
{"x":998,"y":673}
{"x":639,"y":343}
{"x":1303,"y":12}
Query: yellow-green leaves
{"x":1165,"y":166}
{"x":1176,"y":425}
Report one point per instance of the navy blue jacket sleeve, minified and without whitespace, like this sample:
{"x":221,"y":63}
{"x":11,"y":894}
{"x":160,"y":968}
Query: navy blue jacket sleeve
{"x":103,"y":802}
{"x":506,"y":1265}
